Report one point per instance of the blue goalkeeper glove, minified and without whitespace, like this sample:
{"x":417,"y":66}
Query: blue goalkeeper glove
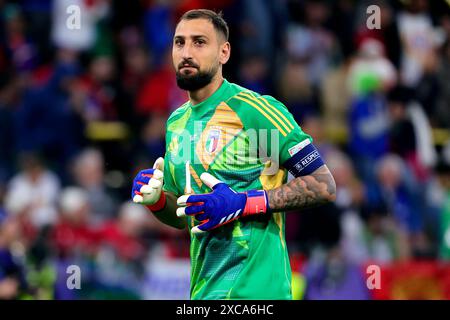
{"x":223,"y":205}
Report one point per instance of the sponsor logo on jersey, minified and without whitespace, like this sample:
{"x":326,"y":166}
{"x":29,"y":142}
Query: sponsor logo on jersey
{"x":299,"y":146}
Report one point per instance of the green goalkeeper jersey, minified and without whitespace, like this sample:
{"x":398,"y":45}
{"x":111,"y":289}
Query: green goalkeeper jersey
{"x":242,"y":138}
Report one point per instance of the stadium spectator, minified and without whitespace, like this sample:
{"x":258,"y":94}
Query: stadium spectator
{"x":350,"y":198}
{"x":74,"y":233}
{"x":10,"y":92}
{"x":88,"y":173}
{"x":310,"y":46}
{"x":12,"y":270}
{"x":32,"y":193}
{"x":19,"y":46}
{"x":123,"y":234}
{"x":311,"y":43}
{"x":100,"y":89}
{"x":418,"y":42}
{"x":368,"y":128}
{"x":443,"y":171}
{"x":45,"y":120}
{"x":371,"y":62}
{"x":161,"y":80}
{"x":441,"y":118}
{"x":330,"y":277}
{"x":384,"y":240}
{"x":401,"y":197}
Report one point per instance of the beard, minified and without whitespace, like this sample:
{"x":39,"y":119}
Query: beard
{"x":194,"y":82}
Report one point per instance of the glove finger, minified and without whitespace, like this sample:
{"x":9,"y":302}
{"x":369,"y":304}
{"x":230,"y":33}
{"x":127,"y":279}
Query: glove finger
{"x":181,"y":201}
{"x":138,"y":198}
{"x":136,"y":188}
{"x":209,"y":180}
{"x":143,"y":179}
{"x":158,"y":174}
{"x":192,"y":199}
{"x":155,"y":183}
{"x":151,"y":187}
{"x":189,"y":211}
{"x":193,"y":210}
{"x":155,"y":173}
{"x":201,"y":228}
{"x":180,"y":212}
{"x":146,"y":172}
{"x":159,"y":164}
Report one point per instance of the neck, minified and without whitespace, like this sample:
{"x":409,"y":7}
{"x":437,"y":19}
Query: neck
{"x":204,"y":93}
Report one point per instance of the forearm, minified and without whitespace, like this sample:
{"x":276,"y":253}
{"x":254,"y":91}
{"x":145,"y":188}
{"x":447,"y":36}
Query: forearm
{"x":168,"y":214}
{"x":304,"y":192}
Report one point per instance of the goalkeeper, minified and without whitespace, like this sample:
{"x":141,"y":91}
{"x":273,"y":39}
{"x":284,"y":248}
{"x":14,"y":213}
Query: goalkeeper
{"x":224,"y":174}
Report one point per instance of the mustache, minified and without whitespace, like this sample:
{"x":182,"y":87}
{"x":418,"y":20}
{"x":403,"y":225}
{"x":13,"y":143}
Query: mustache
{"x":188,"y":63}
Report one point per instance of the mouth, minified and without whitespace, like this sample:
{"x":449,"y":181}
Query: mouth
{"x":187,"y":70}
{"x":187,"y":67}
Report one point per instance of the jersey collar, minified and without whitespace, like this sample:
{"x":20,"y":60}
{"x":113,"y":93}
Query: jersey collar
{"x":214,"y":99}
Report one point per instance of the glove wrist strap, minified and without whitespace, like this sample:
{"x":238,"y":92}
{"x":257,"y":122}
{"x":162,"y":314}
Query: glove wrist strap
{"x":256,"y":202}
{"x":160,"y":204}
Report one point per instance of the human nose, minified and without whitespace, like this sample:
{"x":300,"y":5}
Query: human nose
{"x":186,"y":51}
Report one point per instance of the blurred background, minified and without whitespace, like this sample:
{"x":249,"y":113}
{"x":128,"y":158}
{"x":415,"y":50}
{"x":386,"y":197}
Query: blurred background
{"x":83,"y":110}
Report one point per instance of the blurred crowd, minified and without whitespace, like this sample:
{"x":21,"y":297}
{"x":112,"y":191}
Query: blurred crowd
{"x":82,"y":110}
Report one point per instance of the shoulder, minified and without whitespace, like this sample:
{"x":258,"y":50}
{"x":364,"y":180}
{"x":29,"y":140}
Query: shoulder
{"x":261,"y":110}
{"x":178,"y":118}
{"x":252,"y":101}
{"x":178,"y":112}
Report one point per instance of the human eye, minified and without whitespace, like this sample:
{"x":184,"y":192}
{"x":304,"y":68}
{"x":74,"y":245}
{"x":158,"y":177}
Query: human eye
{"x":178,"y":42}
{"x":199,"y":42}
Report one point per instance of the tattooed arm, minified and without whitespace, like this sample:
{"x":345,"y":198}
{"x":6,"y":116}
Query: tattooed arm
{"x":304,"y":192}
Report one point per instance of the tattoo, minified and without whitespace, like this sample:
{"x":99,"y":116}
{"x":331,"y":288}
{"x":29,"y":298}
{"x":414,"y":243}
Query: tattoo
{"x":304,"y":192}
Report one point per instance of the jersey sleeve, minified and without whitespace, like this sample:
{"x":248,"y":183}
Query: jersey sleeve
{"x":169,"y":184}
{"x":291,"y":136}
{"x":169,"y":175}
{"x":279,"y":135}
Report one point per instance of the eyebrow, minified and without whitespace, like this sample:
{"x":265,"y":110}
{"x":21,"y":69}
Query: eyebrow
{"x":194,"y":37}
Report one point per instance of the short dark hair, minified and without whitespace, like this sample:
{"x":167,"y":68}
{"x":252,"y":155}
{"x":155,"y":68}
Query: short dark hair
{"x":215,"y":18}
